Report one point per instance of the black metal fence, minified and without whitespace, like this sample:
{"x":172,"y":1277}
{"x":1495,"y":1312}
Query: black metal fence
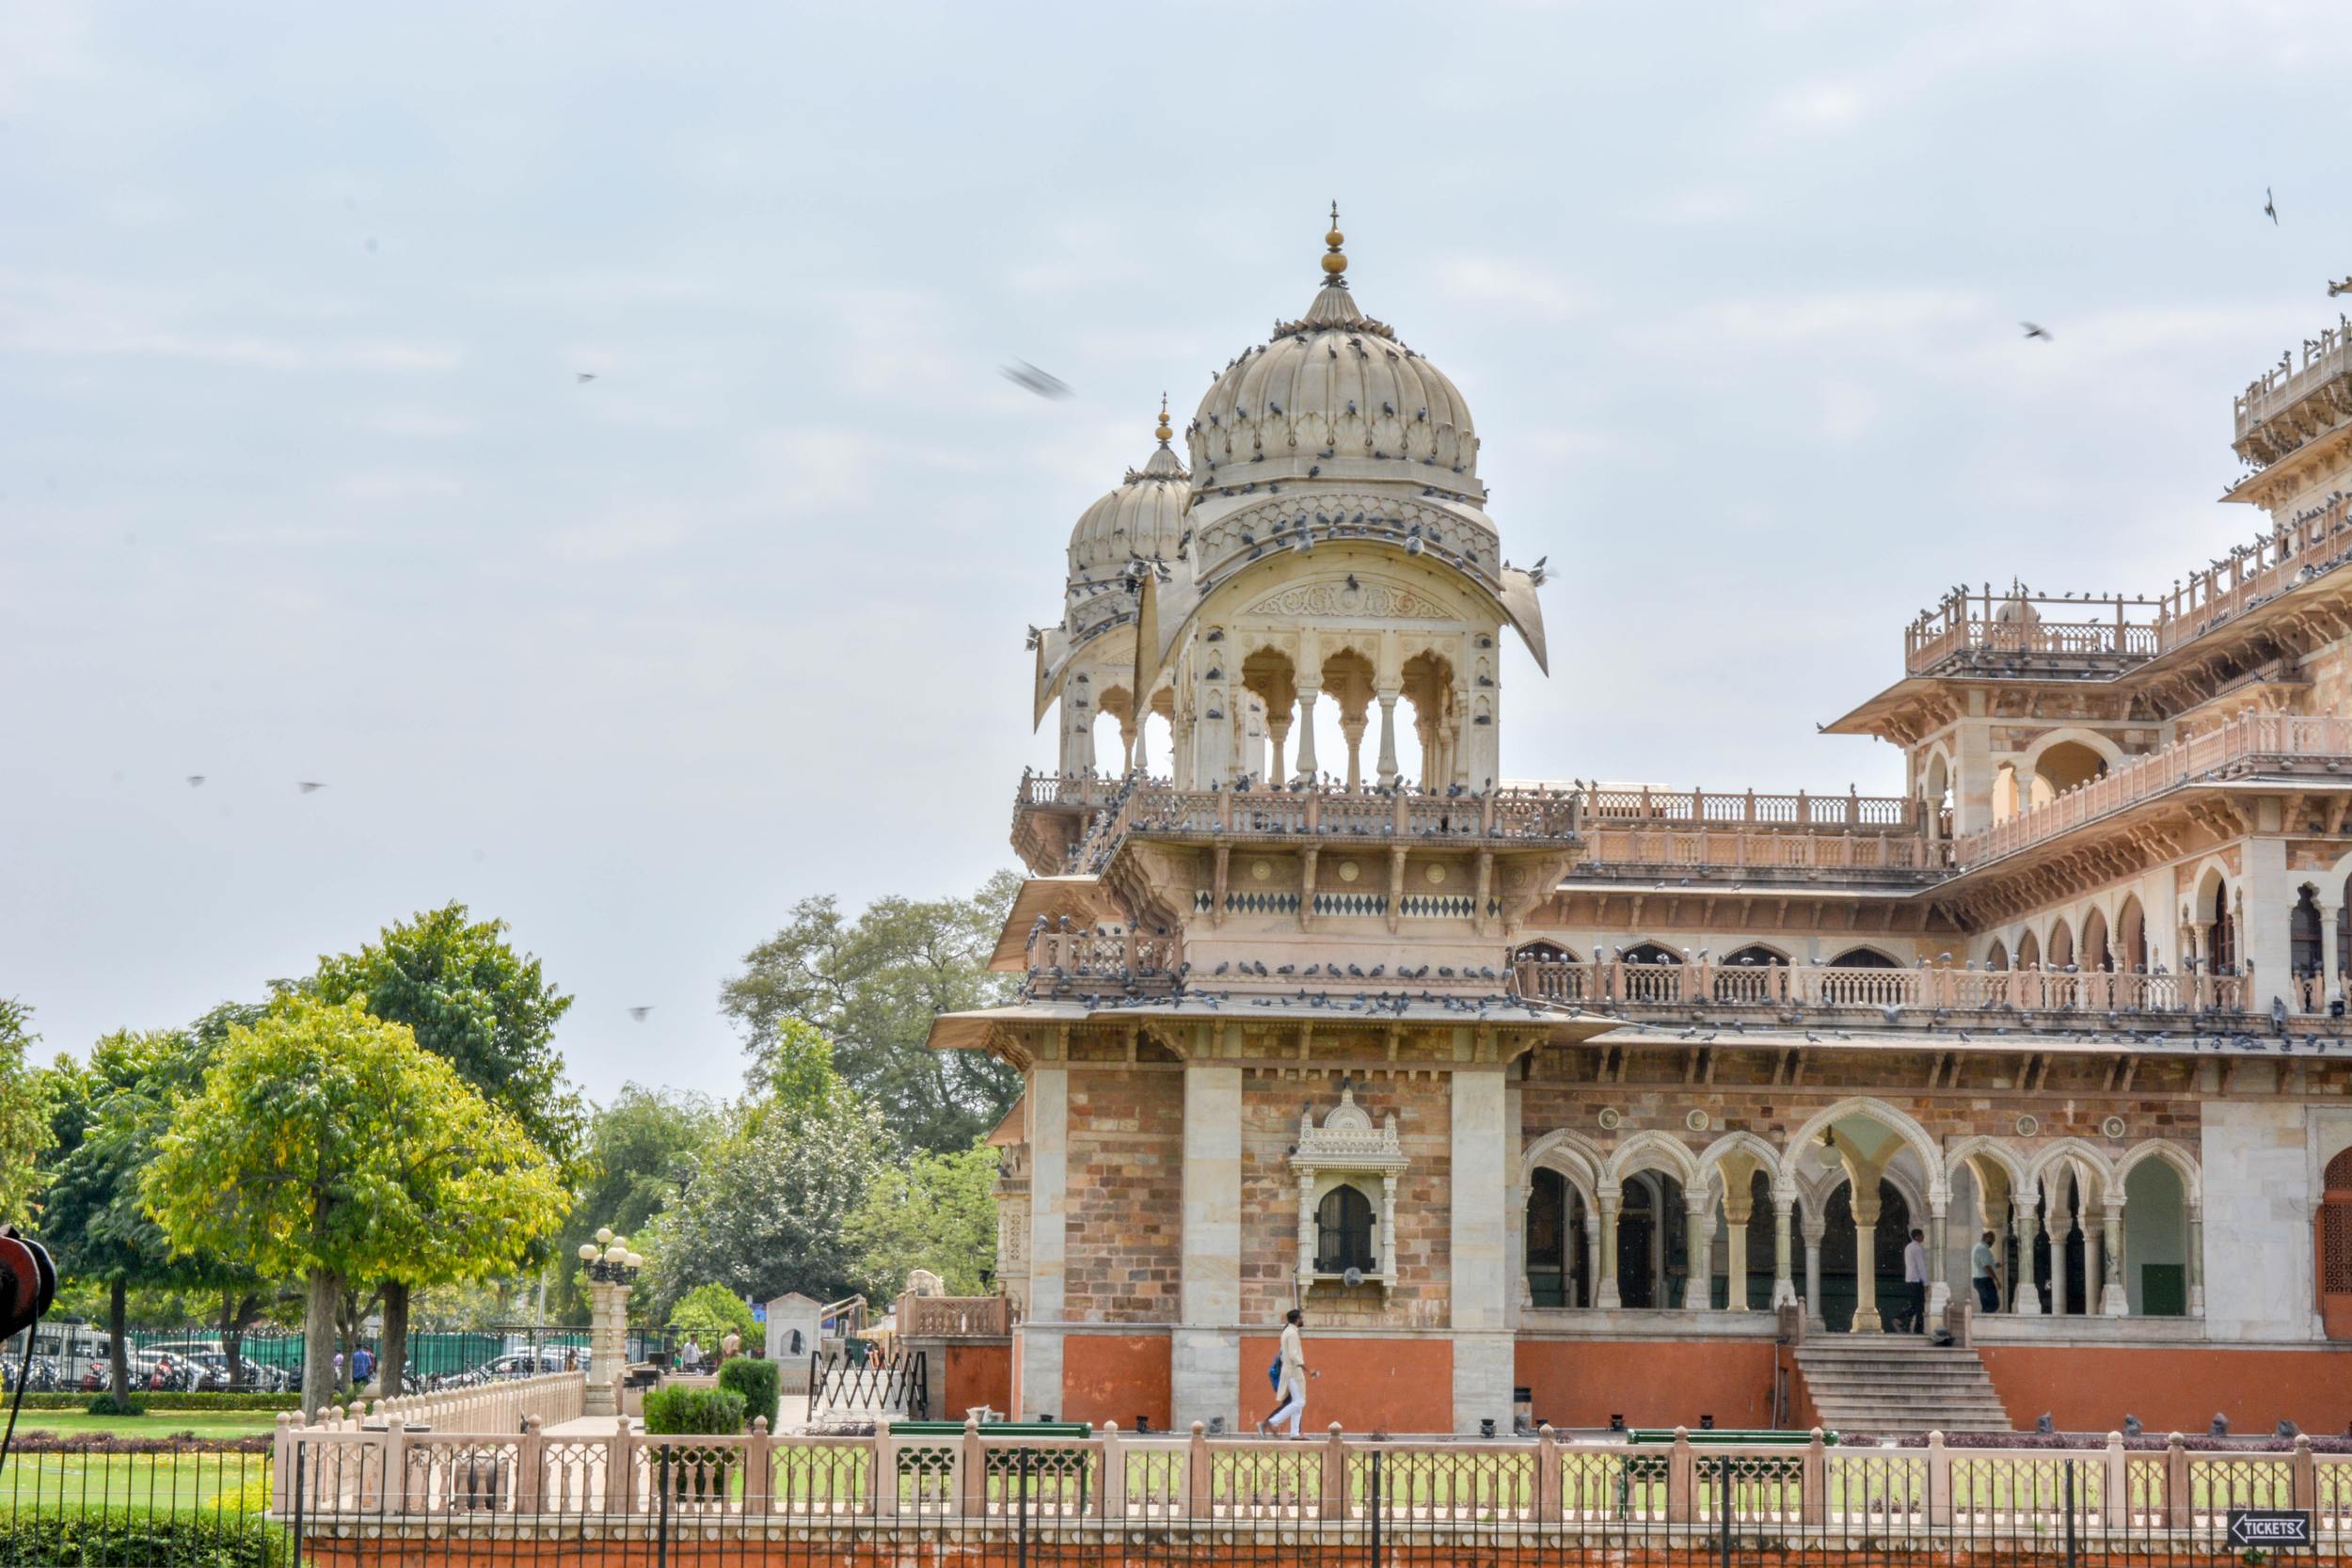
{"x":73,"y":1357}
{"x":852,"y":1386}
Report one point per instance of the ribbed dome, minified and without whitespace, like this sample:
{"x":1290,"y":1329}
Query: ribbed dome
{"x":1336,"y":391}
{"x":1144,"y":517}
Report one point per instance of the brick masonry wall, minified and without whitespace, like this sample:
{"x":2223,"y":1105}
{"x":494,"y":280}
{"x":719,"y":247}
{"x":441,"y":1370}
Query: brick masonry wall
{"x":1126,"y":1214}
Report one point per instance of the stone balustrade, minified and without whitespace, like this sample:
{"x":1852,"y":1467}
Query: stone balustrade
{"x":1613,"y":849}
{"x":1094,"y":959}
{"x":954,"y":1317}
{"x":501,"y":1405}
{"x":1929,"y":988}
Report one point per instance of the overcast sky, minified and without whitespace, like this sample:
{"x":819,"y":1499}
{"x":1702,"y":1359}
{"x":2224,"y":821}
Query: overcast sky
{"x":298,"y":482}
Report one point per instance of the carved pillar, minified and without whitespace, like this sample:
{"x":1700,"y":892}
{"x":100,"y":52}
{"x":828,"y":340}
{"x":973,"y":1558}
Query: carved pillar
{"x":1307,"y":695}
{"x":2114,"y":1301}
{"x":1305,"y":1268}
{"x":1698,"y":1282}
{"x":2061,"y":1225}
{"x":1388,"y":1225}
{"x":1592,"y":1256}
{"x":1939,"y":1287}
{"x":1784,"y":1288}
{"x":1865,"y":1260}
{"x":2196,"y":1258}
{"x":1815,"y":1228}
{"x":1353,"y":730}
{"x":1735,"y":1215}
{"x":1388,"y":738}
{"x":1138,"y":759}
{"x":1605,"y":1293}
{"x":2025,"y":1298}
{"x":1277,"y":729}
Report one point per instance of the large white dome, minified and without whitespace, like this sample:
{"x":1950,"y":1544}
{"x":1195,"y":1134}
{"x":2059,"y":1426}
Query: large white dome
{"x":1143,"y":517}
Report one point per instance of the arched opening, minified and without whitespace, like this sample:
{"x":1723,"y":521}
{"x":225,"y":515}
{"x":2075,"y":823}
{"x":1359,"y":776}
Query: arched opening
{"x":2343,"y":931}
{"x":2155,"y":1241}
{"x":1436,"y":727}
{"x":2060,"y":952}
{"x":2067,"y":766}
{"x":1651,"y":953}
{"x":1541,"y":951}
{"x":2220,"y":930}
{"x":1347,"y":686}
{"x":2094,"y":948}
{"x":1267,"y":675}
{"x":1746,"y":976}
{"x":1997,"y":956}
{"x":1557,"y":1268}
{"x":1840,"y":1286}
{"x":1344,"y":1233}
{"x":2335,"y":1247}
{"x":1935,"y":799}
{"x":2061,"y":1246}
{"x":1155,"y":736}
{"x":1757,"y":1254}
{"x":1653,"y":1242}
{"x":1862,"y":958}
{"x":1755,"y":952}
{"x":2004,"y":792}
{"x":2303,"y":934}
{"x":2131,"y":937}
{"x":2028,"y":950}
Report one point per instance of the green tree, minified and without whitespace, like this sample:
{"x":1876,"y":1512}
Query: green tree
{"x":325,"y":1144}
{"x":936,"y":1211}
{"x":25,"y":1133}
{"x":470,"y":998}
{"x":762,"y":1212}
{"x":709,"y":1311}
{"x":640,"y":1151}
{"x":871,"y":985}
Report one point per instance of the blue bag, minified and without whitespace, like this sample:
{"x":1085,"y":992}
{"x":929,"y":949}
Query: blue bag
{"x":1274,"y":1372}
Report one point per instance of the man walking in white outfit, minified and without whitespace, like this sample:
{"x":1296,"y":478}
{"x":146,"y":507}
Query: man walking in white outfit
{"x":1293,"y":1388}
{"x":1916,"y":1275}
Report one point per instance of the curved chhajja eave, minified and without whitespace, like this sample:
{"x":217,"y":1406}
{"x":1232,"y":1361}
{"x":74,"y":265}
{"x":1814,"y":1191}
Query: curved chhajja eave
{"x":1166,"y":608}
{"x":1071,"y":655}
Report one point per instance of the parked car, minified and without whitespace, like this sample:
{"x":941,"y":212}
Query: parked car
{"x":525,"y":1363}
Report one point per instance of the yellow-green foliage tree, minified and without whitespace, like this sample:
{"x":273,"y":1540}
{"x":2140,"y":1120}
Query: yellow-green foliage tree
{"x":327,"y":1144}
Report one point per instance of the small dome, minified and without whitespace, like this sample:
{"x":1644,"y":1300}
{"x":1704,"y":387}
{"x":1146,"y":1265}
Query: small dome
{"x":1144,"y":517}
{"x":1338,"y":391}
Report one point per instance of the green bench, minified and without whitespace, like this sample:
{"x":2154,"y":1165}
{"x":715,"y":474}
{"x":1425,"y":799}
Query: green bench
{"x":1734,"y":1437}
{"x":993,"y":1429}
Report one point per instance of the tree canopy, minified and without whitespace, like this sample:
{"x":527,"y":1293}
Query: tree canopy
{"x":25,"y":1133}
{"x":871,"y":984}
{"x":708,"y":1311}
{"x":935,"y":1212}
{"x":326,"y":1144}
{"x":640,"y":1150}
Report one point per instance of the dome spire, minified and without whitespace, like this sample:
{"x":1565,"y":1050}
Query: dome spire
{"x":1334,"y":259}
{"x":1164,"y":434}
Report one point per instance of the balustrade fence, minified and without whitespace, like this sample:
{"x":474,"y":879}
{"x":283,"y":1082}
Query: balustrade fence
{"x":503,"y":1405}
{"x":1113,"y":1498}
{"x":1704,"y":982}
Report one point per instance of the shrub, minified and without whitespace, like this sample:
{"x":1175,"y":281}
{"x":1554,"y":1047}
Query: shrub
{"x":211,"y":1540}
{"x":163,"y":1402}
{"x":700,"y":1472}
{"x":708,"y":1311}
{"x":106,"y":1405}
{"x":761,"y":1382}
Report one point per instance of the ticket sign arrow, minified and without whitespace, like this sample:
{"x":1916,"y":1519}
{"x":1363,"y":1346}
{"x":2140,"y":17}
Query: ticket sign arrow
{"x":2269,"y":1526}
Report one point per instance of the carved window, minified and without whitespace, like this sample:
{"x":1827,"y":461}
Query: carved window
{"x":1344,"y":1233}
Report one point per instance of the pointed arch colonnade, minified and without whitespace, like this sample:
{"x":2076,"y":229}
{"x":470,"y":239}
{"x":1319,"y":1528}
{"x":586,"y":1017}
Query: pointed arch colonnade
{"x":1653,"y":1220}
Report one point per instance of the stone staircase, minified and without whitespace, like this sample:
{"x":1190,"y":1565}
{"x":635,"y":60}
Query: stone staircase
{"x":1899,"y":1384}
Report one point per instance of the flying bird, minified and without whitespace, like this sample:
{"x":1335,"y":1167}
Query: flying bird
{"x":195,"y":780}
{"x":583,"y":377}
{"x":639,"y":1013}
{"x":2342,"y":288}
{"x":2270,"y":207}
{"x":310,"y":787}
{"x":1029,"y":378}
{"x":2032,"y":331}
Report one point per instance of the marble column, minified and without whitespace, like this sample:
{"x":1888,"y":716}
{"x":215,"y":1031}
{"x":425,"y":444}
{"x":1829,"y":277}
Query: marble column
{"x":1205,"y":1345}
{"x":1137,"y":761}
{"x":1352,"y":730}
{"x":1736,"y":1249}
{"x":1478,"y":1177}
{"x":2114,"y":1301}
{"x":1277,"y":730}
{"x":1307,"y":767}
{"x":1592,"y":1258}
{"x":2061,"y":1226}
{"x":1605,"y":1294}
{"x":1865,"y":1261}
{"x":2025,"y":1298}
{"x":1815,"y":1229}
{"x":2196,"y":1260}
{"x":1698,"y":1282}
{"x":1387,"y":738}
{"x":1939,"y":1266}
{"x":1040,"y":1332}
{"x":1784,"y":1288}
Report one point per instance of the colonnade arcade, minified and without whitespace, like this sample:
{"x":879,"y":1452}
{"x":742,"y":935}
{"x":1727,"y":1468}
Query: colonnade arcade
{"x":2080,"y":1232}
{"x":1288,"y":676}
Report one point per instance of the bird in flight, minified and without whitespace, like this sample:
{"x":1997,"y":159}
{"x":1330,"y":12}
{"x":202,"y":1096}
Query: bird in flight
{"x":195,"y":780}
{"x":1027,"y":376}
{"x":2032,"y":331}
{"x":310,"y":787}
{"x":583,"y":377}
{"x":639,"y":1013}
{"x":2270,"y":207}
{"x":2342,"y":288}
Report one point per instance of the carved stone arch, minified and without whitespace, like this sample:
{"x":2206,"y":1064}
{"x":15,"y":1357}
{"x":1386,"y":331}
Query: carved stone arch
{"x":1741,"y":1142}
{"x":2077,"y":1151}
{"x":2028,"y":761}
{"x":1652,"y":1150}
{"x":1976,"y":1146}
{"x":1930,"y":1161}
{"x":2183,"y":1164}
{"x":1571,"y":1154}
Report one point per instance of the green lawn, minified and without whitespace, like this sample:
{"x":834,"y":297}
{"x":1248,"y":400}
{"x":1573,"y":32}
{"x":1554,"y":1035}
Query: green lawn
{"x":204,"y":1423}
{"x":142,"y":1483}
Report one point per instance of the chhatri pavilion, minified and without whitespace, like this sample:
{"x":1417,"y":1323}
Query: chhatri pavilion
{"x":1567,"y":1102}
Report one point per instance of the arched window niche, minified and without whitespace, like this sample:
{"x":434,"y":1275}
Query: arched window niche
{"x":1346,"y":1170}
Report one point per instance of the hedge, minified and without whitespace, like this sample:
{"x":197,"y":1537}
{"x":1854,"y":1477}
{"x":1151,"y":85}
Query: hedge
{"x":761,"y":1382}
{"x":43,"y":1538}
{"x":160,"y":1404}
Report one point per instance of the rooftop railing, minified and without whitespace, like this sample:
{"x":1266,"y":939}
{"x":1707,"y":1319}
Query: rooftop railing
{"x":2241,"y":745}
{"x":1668,"y":849}
{"x":2287,"y":383}
{"x":1615,"y":982}
{"x":1093,"y":961}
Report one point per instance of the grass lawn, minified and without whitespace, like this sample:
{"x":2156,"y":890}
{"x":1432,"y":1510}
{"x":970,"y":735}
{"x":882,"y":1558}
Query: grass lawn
{"x":204,"y":1423}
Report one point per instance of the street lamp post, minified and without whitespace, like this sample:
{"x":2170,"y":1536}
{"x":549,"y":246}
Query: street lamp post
{"x":611,"y":1270}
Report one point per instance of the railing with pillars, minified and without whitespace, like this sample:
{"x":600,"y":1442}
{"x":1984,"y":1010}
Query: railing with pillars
{"x":1705,"y":982}
{"x":498,"y":1406}
{"x":1667,"y":847}
{"x":1073,"y":958}
{"x":954,"y":1317}
{"x":1440,"y":1487}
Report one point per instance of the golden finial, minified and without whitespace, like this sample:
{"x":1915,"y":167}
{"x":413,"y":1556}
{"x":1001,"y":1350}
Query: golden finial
{"x":1164,"y":434}
{"x":1334,"y":261}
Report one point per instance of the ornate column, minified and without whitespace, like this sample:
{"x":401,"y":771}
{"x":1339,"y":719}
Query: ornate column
{"x":2114,"y":1301}
{"x":1277,"y":729}
{"x":1306,"y":1266}
{"x":1605,"y":1294}
{"x":1592,"y":1258}
{"x":1865,"y":1261}
{"x":1388,"y":738}
{"x":1138,"y":761}
{"x":1352,"y":730}
{"x":1698,"y":1281}
{"x":2026,"y":1297}
{"x":1784,"y":1288}
{"x":2060,"y":1217}
{"x":1307,"y":694}
{"x":611,"y":1270}
{"x":1939,"y":1287}
{"x":1736,"y":1249}
{"x":2328,"y":980}
{"x":1815,"y":1228}
{"x":2195,"y":1258}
